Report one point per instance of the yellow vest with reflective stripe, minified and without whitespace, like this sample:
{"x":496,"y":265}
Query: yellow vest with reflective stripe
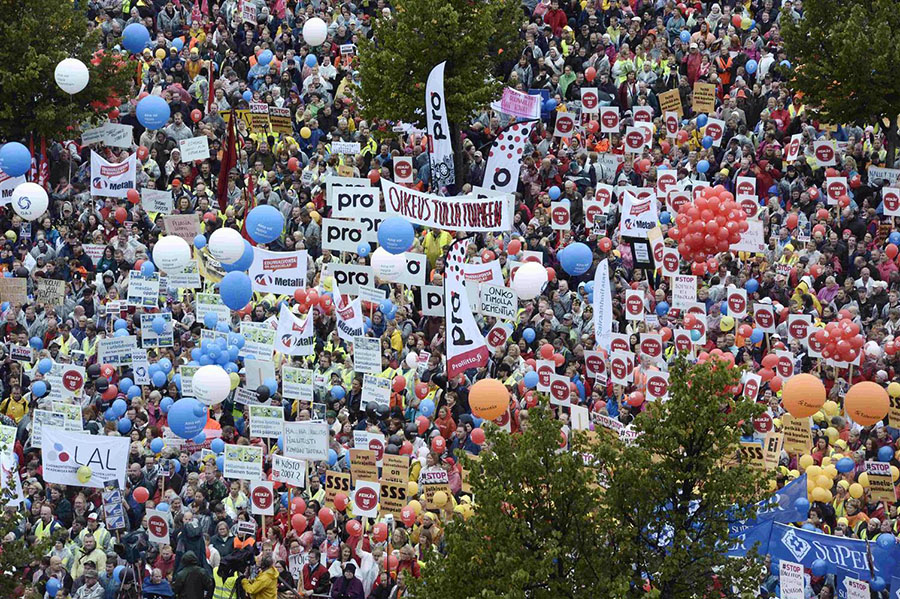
{"x":224,"y":586}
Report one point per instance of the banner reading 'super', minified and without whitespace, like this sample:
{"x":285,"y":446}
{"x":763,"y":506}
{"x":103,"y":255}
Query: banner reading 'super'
{"x":278,"y":272}
{"x":459,"y":213}
{"x":466,"y":347}
{"x":505,"y":158}
{"x":439,"y":129}
{"x":112,"y":180}
{"x":294,"y":335}
{"x":64,"y":453}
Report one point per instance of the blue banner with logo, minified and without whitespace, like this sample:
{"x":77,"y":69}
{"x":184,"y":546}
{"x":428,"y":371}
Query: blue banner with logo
{"x":778,"y":508}
{"x":852,"y":555}
{"x":895,"y":587}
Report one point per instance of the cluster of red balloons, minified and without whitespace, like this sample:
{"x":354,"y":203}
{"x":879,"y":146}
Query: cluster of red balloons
{"x":307,"y":298}
{"x":549,"y":353}
{"x":840,"y":340}
{"x":708,"y":225}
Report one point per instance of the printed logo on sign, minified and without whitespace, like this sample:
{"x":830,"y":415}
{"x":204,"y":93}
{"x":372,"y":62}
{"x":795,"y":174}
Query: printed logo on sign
{"x":814,"y":344}
{"x":595,"y":364}
{"x":559,"y":390}
{"x":764,"y":318}
{"x":619,"y":344}
{"x":73,"y":381}
{"x":751,"y":389}
{"x":366,"y":499}
{"x":158,"y":526}
{"x":658,"y":386}
{"x":746,"y":188}
{"x":592,"y":213}
{"x":683,"y":342}
{"x":651,"y":347}
{"x":544,"y":373}
{"x":714,"y":130}
{"x":377,"y":446}
{"x":610,"y":119}
{"x":670,"y":261}
{"x":564,"y":124}
{"x":785,"y":366}
{"x":750,"y":206}
{"x":672,"y":124}
{"x":262,"y":498}
{"x":798,"y":329}
{"x":404,"y":170}
{"x":797,"y":546}
{"x":618,"y":367}
{"x":737,"y":303}
{"x":677,"y":199}
{"x":634,"y":305}
{"x":497,"y":337}
{"x":589,"y":100}
{"x":634,"y":139}
{"x":824,"y":153}
{"x":793,"y":147}
{"x":835,"y":190}
{"x":665,"y":181}
{"x":891,"y":201}
{"x":560,"y":215}
{"x":603,"y":195}
{"x":762,"y":423}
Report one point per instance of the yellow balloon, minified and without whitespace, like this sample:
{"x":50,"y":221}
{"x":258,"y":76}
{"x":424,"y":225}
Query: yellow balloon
{"x":794,"y":474}
{"x":773,"y":485}
{"x":863,"y":479}
{"x":856,"y":491}
{"x":831,"y":408}
{"x":813,"y":471}
{"x":776,"y":422}
{"x":412,"y":488}
{"x":818,"y":417}
{"x":440,"y":499}
{"x":895,"y":473}
{"x":810,"y":483}
{"x":827,"y":496}
{"x":805,"y":461}
{"x":825,"y":461}
{"x":893,"y":389}
{"x":416,"y":506}
{"x":823,"y":481}
{"x":305,"y":133}
{"x":84,"y":474}
{"x":832,"y":433}
{"x":235,"y":379}
{"x":161,"y":54}
{"x":830,"y":471}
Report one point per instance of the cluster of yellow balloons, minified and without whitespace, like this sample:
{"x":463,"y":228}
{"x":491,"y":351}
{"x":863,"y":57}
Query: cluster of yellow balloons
{"x":819,"y":479}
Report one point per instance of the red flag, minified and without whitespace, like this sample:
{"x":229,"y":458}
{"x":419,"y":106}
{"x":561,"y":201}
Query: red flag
{"x":33,"y":172}
{"x":229,"y":161}
{"x":251,"y":204}
{"x":212,"y":93}
{"x":195,"y":14}
{"x":44,"y":169}
{"x":280,"y":8}
{"x":204,"y":8}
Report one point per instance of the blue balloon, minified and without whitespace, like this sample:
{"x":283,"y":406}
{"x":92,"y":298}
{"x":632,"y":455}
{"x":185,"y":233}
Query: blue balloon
{"x":158,"y":325}
{"x":338,"y":392}
{"x":135,"y":391}
{"x":39,"y":388}
{"x":213,"y":354}
{"x":702,"y":166}
{"x":124,"y":426}
{"x":801,"y":504}
{"x":223,"y":327}
{"x":844,"y":465}
{"x":200,"y":439}
{"x":662,"y":308}
{"x":664,"y":217}
{"x":723,"y":308}
{"x":886,"y":540}
{"x":265,"y":223}
{"x":878,"y":584}
{"x":159,"y":378}
{"x":701,"y":120}
{"x":45,"y":365}
{"x":119,"y":407}
{"x":236,"y":290}
{"x":819,"y":567}
{"x":243,"y":263}
{"x":550,"y":104}
{"x":148,"y":268}
{"x":751,"y":66}
{"x":165,"y":364}
{"x":554,"y":192}
{"x":785,"y":63}
{"x":239,"y":424}
{"x":894,"y":238}
{"x":209,"y":320}
{"x":685,"y":36}
{"x":135,"y":38}
{"x":231,"y":366}
{"x":363,"y":249}
{"x":178,"y":43}
{"x":311,"y":60}
{"x":265,"y":57}
{"x":756,"y":336}
{"x":281,"y":442}
{"x":332,"y":457}
{"x":220,"y":463}
{"x":529,"y":335}
{"x":707,"y":143}
{"x":272,"y":385}
{"x":176,"y":465}
{"x":386,"y":305}
{"x":53,"y":587}
{"x":184,"y":419}
{"x":217,"y":446}
{"x":576,"y":258}
{"x":247,"y":95}
{"x":396,"y":234}
{"x":809,"y":527}
{"x":752,"y":285}
{"x":162,"y":506}
{"x":696,"y":335}
{"x":205,"y":360}
{"x":36,"y":343}
{"x":531,"y":379}
{"x":109,"y":415}
{"x":120,"y":333}
{"x":154,"y":368}
{"x":153,"y":112}
{"x":120,"y":323}
{"x":200,"y":241}
{"x":426,"y":407}
{"x":885,"y":454}
{"x":156,"y":445}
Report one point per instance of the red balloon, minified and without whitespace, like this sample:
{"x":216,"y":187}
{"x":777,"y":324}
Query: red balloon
{"x":408,"y":515}
{"x":114,"y":114}
{"x":593,"y":126}
{"x":399,"y":384}
{"x":340,"y":503}
{"x":551,"y":273}
{"x":140,"y":494}
{"x":133,"y":196}
{"x":891,"y":251}
{"x":107,"y":371}
{"x":477,"y":436}
{"x":590,"y":73}
{"x":423,"y":423}
{"x":665,"y":147}
{"x":298,"y":523}
{"x":300,"y":295}
{"x":298,"y":505}
{"x":855,"y":182}
{"x":559,"y":360}
{"x":487,"y":256}
{"x":421,"y":390}
{"x":121,"y":215}
{"x":547,"y":351}
{"x":196,"y":115}
{"x":438,"y":444}
{"x":111,"y":392}
{"x":775,"y":383}
{"x":635,"y":399}
{"x":406,"y":448}
{"x":745,"y":330}
{"x":792,"y":221}
{"x":374,"y":176}
{"x":326,"y":517}
{"x":380,"y":532}
{"x":766,"y":374}
{"x":393,"y":561}
{"x":515,"y":246}
{"x":293,"y":164}
{"x":605,"y":244}
{"x":143,"y":152}
{"x":354,"y":528}
{"x":736,"y":20}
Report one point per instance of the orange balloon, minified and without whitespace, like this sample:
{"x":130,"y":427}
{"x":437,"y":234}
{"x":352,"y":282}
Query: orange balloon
{"x":489,"y":399}
{"x":803,"y":395}
{"x":866,"y":403}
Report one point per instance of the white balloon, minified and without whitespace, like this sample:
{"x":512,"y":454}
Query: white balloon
{"x":315,"y":31}
{"x":171,"y":254}
{"x":71,"y":75}
{"x":226,"y":245}
{"x":412,"y":359}
{"x":30,"y":200}
{"x":387,"y":266}
{"x":873,"y":350}
{"x":529,"y":280}
{"x":211,"y":384}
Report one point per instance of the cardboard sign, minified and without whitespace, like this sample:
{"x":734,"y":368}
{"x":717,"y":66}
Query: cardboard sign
{"x":432,"y":483}
{"x":393,"y":497}
{"x":50,"y":292}
{"x":634,"y":140}
{"x":881,"y":484}
{"x":737,"y":303}
{"x":363,"y":465}
{"x":634,"y":305}
{"x":797,"y":434}
{"x":280,"y":119}
{"x":609,"y":119}
{"x":266,"y":421}
{"x":773,"y":444}
{"x":395,"y":468}
{"x":753,"y":455}
{"x":341,"y":235}
{"x":704,"y":98}
{"x":891,"y":201}
{"x":365,"y":499}
{"x":243,"y":461}
{"x":195,"y":148}
{"x":565,"y":125}
{"x":289,"y":471}
{"x":158,"y":526}
{"x":336,"y":482}
{"x":825,"y":152}
{"x":670,"y":101}
{"x":684,"y":291}
{"x":560,"y":217}
{"x":403,"y":169}
{"x":14,"y":290}
{"x":764,"y":317}
{"x":306,"y":440}
{"x":791,"y":580}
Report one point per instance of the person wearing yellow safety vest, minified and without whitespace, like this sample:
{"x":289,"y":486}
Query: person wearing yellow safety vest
{"x":224,"y":586}
{"x":100,"y":534}
{"x":90,"y":341}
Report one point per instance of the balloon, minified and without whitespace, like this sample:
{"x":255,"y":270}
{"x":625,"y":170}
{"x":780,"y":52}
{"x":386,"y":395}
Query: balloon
{"x":803,"y":395}
{"x":305,"y":132}
{"x":158,"y":378}
{"x":30,"y":200}
{"x":226,"y":245}
{"x":590,"y":73}
{"x":247,"y":95}
{"x":702,"y":120}
{"x":45,"y":365}
{"x":147,"y":268}
{"x":153,"y":112}
{"x":338,"y":392}
{"x":844,"y":465}
{"x":211,"y":384}
{"x":866,"y":403}
{"x":135,"y":38}
{"x":576,"y":258}
{"x":315,"y":31}
{"x":39,"y":388}
{"x":752,"y":286}
{"x":819,"y":568}
{"x":885,"y":454}
{"x":662,"y":308}
{"x":265,"y":223}
{"x":396,"y":235}
{"x":707,"y":143}
{"x":311,"y":60}
{"x":187,"y":417}
{"x":489,"y":399}
{"x":298,"y":523}
{"x":52,"y":587}
{"x":554,"y":192}
{"x":236,"y":290}
{"x":702,"y":166}
{"x":71,"y":75}
{"x":326,"y":517}
{"x":529,"y":335}
{"x":84,"y":474}
{"x":363,"y":249}
{"x":426,"y":408}
{"x":478,"y":436}
{"x":531,"y":379}
{"x":124,"y":426}
{"x":265,"y":57}
{"x":751,"y":66}
{"x":886,"y":540}
{"x":172,"y":253}
{"x":380,"y":532}
{"x":529,"y":281}
{"x":244,"y":262}
{"x":684,"y":36}
{"x":387,"y":266}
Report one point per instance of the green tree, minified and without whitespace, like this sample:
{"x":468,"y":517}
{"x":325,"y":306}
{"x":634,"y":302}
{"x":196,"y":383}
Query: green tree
{"x":474,"y":37}
{"x":35,"y":35}
{"x":603,"y":519}
{"x":844,"y":56}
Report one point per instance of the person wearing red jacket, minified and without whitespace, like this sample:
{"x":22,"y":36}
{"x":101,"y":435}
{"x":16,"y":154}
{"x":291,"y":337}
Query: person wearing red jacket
{"x":315,"y":575}
{"x":556,"y":18}
{"x":766,"y":176}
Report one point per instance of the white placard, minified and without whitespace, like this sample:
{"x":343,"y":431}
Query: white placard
{"x":306,"y":440}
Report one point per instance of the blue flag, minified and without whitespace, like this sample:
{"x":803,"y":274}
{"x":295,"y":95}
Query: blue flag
{"x":778,"y":508}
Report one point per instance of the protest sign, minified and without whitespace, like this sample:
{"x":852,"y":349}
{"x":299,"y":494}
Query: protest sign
{"x":365,"y":498}
{"x":460,"y":213}
{"x":881,"y":483}
{"x":393,"y":497}
{"x":262,"y":498}
{"x":670,"y":100}
{"x":280,"y":119}
{"x":74,"y":421}
{"x":112,"y":180}
{"x":259,"y":340}
{"x":243,"y":461}
{"x":498,"y":301}
{"x":266,"y":421}
{"x":158,"y":525}
{"x":278,"y":272}
{"x":107,"y":457}
{"x":113,"y":510}
{"x":353,"y":201}
{"x":684,"y":291}
{"x":704,"y":97}
{"x":186,"y":226}
{"x":403,"y":169}
{"x":50,"y":292}
{"x":306,"y":440}
{"x":149,"y":336}
{"x":395,"y":468}
{"x":367,"y":354}
{"x":289,"y":471}
{"x":14,"y":290}
{"x":432,"y":482}
{"x":116,"y":350}
{"x":341,"y":235}
{"x":375,"y":389}
{"x":336,"y":482}
{"x":195,"y":148}
{"x":363,"y":465}
{"x":143,"y":290}
{"x":791,"y":580}
{"x":212,"y":303}
{"x":297,"y":383}
{"x":797,"y":434}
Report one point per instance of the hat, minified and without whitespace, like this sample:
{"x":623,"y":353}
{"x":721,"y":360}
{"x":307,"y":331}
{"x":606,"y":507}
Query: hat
{"x":449,"y":460}
{"x":350,"y":567}
{"x":693,"y":46}
{"x":92,"y":516}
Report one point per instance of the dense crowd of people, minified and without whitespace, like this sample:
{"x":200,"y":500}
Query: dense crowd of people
{"x":828,"y":255}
